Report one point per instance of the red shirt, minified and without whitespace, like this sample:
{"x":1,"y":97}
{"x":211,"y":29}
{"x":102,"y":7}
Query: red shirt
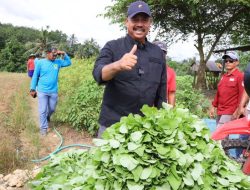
{"x":171,"y":82}
{"x":30,"y":64}
{"x":229,"y":93}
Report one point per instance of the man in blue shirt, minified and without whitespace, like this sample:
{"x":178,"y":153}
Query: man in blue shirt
{"x":45,"y":81}
{"x":132,"y":68}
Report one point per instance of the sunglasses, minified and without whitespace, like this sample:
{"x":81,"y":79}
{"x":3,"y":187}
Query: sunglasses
{"x":229,"y":60}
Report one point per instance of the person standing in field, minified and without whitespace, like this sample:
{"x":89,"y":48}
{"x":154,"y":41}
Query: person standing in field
{"x":45,"y":80}
{"x":229,"y":91}
{"x":132,"y":69}
{"x":31,"y":65}
{"x":171,"y":77}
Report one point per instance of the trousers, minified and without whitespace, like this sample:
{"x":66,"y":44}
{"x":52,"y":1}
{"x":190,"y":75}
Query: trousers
{"x":46,"y":106}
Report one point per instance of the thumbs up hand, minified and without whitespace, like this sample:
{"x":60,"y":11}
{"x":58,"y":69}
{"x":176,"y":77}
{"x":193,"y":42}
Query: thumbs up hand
{"x":128,"y":60}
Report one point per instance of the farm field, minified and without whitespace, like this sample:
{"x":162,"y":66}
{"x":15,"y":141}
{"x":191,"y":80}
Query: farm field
{"x":20,"y":141}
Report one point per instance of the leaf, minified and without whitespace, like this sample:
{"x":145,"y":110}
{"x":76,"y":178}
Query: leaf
{"x":188,"y":180}
{"x":132,"y":146}
{"x":223,"y":181}
{"x":114,"y":143}
{"x":134,"y":186}
{"x":165,"y":186}
{"x":137,"y":173}
{"x":136,"y":136}
{"x":123,"y":129}
{"x":146,"y":173}
{"x":233,"y":178}
{"x":197,"y":171}
{"x":100,"y":142}
{"x":199,"y":157}
{"x":173,"y":181}
{"x":128,"y":162}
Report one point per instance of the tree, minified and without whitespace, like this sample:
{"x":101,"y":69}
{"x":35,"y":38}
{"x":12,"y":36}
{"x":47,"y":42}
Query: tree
{"x":208,"y":21}
{"x":88,"y":49}
{"x":12,"y":57}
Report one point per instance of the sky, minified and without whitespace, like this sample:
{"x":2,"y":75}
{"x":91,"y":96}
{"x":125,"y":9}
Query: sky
{"x":77,"y":17}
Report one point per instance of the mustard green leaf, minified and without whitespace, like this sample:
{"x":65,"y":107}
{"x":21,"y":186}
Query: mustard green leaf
{"x":114,"y":143}
{"x":146,"y":173}
{"x":136,"y":136}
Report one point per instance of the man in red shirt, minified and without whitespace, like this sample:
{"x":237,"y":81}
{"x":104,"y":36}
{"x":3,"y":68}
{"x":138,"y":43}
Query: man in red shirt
{"x":229,"y":91}
{"x":31,"y":65}
{"x":171,"y":77}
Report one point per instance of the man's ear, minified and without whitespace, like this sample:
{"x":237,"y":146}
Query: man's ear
{"x":126,"y":22}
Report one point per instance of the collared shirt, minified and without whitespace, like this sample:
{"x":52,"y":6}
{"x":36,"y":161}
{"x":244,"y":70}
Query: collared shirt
{"x":229,"y":93}
{"x":30,"y":64}
{"x":171,"y":80}
{"x":45,"y":76}
{"x":128,"y":91}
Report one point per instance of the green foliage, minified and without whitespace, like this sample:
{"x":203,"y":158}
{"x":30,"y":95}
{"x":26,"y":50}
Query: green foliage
{"x":180,"y":68}
{"x":209,"y":22}
{"x":12,"y":57}
{"x":30,"y":40}
{"x":188,"y":97}
{"x":88,"y":49}
{"x":166,"y":149}
{"x":244,"y":60}
{"x":80,"y":96}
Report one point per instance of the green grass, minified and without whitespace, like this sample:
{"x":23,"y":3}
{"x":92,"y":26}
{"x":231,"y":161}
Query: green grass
{"x":16,"y":124}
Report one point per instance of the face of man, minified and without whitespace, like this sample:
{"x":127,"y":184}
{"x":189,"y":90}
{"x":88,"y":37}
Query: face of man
{"x":52,"y":55}
{"x":231,"y":64}
{"x":138,"y":26}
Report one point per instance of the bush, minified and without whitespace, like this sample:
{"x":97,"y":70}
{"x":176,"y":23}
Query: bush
{"x":80,"y":96}
{"x":188,"y":97}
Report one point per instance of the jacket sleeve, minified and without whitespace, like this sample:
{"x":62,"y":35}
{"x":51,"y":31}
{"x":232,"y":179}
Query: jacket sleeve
{"x":66,"y":61}
{"x":35,"y":76}
{"x":105,"y":58}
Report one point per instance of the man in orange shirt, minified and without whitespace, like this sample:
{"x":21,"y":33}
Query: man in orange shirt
{"x":171,"y":77}
{"x":31,"y":65}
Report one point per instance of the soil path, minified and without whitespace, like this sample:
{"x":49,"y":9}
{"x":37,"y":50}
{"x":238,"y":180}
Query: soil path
{"x":50,"y":142}
{"x":10,"y":82}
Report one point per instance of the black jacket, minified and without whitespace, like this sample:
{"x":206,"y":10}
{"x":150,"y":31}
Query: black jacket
{"x":128,"y":91}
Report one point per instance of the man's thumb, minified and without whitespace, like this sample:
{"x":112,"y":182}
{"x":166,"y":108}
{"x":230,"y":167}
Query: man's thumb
{"x":133,"y":50}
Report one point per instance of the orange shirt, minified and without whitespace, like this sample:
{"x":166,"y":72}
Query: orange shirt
{"x":171,"y":81}
{"x":31,"y":64}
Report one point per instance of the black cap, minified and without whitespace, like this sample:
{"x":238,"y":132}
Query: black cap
{"x":138,"y":7}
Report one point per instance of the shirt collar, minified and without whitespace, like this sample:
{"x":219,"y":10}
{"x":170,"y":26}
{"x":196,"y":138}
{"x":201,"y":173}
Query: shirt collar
{"x":236,"y":70}
{"x":139,"y":44}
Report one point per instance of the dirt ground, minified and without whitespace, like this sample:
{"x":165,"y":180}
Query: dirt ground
{"x":45,"y":145}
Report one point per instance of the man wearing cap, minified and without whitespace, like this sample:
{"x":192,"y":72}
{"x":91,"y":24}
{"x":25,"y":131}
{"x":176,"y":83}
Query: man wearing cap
{"x":132,"y":69}
{"x":171,"y":77}
{"x":229,"y":91}
{"x":31,"y":65}
{"x":45,"y":80}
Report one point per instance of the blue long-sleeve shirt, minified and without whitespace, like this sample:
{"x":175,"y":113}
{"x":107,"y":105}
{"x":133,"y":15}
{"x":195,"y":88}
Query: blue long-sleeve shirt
{"x":45,"y":76}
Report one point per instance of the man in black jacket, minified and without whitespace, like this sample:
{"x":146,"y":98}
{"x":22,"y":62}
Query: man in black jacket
{"x":132,"y":68}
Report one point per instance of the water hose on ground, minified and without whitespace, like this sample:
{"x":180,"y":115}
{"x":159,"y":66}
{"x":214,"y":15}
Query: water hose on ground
{"x":60,"y":147}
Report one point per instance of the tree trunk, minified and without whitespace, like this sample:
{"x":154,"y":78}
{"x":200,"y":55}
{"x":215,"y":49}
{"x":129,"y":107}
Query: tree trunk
{"x":201,"y":77}
{"x":201,"y":80}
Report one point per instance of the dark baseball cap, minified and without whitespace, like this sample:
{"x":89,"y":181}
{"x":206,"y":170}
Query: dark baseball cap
{"x":162,"y":45}
{"x":138,"y":7}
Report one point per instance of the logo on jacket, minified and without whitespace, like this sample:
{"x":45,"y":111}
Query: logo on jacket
{"x":231,"y":79}
{"x":55,"y":66}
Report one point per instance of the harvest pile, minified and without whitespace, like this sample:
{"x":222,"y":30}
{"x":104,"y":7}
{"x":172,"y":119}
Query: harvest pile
{"x":166,"y":149}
